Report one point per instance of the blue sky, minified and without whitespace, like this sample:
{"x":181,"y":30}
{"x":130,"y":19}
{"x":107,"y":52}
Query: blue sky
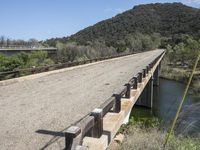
{"x":42,"y":19}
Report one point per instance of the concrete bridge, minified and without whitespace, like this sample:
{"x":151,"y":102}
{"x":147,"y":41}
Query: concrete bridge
{"x":52,"y":52}
{"x":81,"y":107}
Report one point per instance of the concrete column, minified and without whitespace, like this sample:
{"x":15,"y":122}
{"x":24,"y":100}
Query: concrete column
{"x":156,"y":76}
{"x":146,"y":98}
{"x":150,"y":93}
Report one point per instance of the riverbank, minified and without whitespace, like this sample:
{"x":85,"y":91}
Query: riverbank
{"x":144,"y":131}
{"x":147,"y":135}
{"x":180,"y":74}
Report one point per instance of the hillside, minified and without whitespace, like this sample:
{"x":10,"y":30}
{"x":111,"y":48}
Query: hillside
{"x":164,"y":20}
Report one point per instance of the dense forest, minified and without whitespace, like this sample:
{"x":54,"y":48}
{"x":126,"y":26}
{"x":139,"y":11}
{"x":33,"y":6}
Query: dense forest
{"x":141,"y":25}
{"x":168,"y":20}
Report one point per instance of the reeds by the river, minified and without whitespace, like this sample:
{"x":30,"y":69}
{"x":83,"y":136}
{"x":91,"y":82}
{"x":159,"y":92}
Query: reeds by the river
{"x":188,"y":123}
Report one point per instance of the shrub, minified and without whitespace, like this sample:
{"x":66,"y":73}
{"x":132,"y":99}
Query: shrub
{"x":24,"y":60}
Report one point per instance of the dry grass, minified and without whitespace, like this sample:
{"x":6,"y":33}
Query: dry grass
{"x":139,"y":138}
{"x":145,"y":134}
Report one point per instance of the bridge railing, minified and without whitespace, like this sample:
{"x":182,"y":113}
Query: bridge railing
{"x":28,"y":71}
{"x":92,"y":124}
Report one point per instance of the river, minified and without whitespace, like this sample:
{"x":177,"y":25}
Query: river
{"x":167,"y":97}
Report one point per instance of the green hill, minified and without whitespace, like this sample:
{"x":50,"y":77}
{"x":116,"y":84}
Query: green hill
{"x":158,"y":20}
{"x":166,"y":19}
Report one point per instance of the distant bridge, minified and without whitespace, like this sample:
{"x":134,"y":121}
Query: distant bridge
{"x":81,"y":107}
{"x":52,"y":52}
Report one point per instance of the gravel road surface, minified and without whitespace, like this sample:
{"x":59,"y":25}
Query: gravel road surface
{"x":34,"y":113}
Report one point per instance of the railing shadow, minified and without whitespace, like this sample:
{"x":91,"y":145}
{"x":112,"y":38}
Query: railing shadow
{"x":53,"y":133}
{"x":56,"y":136}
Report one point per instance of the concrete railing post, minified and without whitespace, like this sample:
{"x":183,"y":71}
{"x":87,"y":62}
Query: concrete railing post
{"x":128,"y":92}
{"x":147,"y":69}
{"x":117,"y":104}
{"x":144,"y":73}
{"x":150,"y":65}
{"x":140,"y":77}
{"x":71,"y":133}
{"x":135,"y":82}
{"x":98,"y":125}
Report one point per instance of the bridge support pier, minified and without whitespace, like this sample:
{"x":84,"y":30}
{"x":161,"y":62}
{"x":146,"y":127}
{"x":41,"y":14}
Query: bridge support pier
{"x":156,"y":75}
{"x":146,"y":98}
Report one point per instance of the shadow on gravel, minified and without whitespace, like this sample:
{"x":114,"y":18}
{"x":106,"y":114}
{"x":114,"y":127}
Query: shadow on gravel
{"x":53,"y":133}
{"x":56,"y":136}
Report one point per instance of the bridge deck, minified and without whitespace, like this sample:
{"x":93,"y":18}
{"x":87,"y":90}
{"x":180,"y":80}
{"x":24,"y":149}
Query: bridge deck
{"x":34,"y":113}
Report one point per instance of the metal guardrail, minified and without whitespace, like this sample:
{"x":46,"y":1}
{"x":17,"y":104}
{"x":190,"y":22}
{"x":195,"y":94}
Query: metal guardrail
{"x":28,"y":71}
{"x":92,"y":124}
